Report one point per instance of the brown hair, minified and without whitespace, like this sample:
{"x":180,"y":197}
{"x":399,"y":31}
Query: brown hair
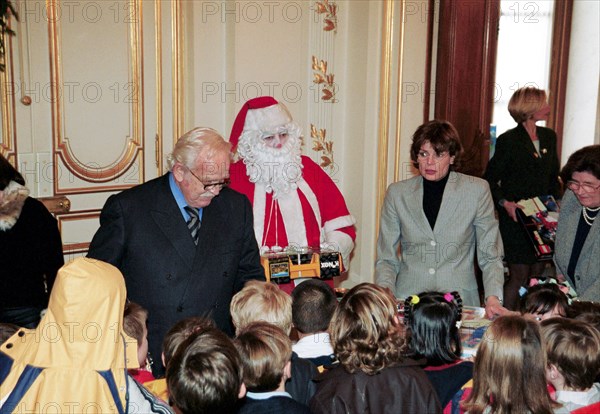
{"x":206,"y":374}
{"x":574,"y":348}
{"x":509,"y":375}
{"x":134,"y":321}
{"x":586,"y":159}
{"x":313,"y":304}
{"x":265,"y":350}
{"x":365,"y":332}
{"x":261,"y":301}
{"x":442,"y":136}
{"x":180,"y":332}
{"x":525,"y":102}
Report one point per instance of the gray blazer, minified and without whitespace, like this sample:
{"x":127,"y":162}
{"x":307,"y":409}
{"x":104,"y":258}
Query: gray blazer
{"x":587,"y":271}
{"x":441,"y":259}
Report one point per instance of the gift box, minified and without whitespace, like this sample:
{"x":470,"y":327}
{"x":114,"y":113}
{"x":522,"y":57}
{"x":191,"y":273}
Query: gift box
{"x":539,"y":219}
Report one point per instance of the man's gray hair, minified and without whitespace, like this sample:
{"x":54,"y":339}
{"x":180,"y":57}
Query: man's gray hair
{"x":205,"y":141}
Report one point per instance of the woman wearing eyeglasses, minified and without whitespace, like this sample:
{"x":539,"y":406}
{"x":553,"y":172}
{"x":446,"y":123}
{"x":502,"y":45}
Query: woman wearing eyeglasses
{"x":577,"y":249}
{"x":439,"y":220}
{"x":525,"y":165}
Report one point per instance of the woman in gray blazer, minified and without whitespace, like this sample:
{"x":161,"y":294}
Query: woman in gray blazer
{"x":577,"y":249}
{"x":432,"y":225}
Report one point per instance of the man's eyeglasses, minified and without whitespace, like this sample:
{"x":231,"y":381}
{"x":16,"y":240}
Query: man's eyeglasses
{"x":212,"y":186}
{"x":425,"y":155}
{"x":575,"y":186}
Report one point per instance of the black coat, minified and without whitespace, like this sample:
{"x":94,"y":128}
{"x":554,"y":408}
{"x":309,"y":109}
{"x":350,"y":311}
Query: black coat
{"x":143,"y":233}
{"x":516,"y":172}
{"x":402,"y":388}
{"x":30,"y":250}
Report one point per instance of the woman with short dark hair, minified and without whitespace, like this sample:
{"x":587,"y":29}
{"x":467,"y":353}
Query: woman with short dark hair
{"x":577,"y":248}
{"x":433,"y":226}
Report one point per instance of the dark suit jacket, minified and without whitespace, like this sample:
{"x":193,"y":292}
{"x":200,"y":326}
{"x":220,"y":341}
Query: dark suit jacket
{"x":143,"y":233}
{"x":515,"y":173}
{"x":273,"y":405}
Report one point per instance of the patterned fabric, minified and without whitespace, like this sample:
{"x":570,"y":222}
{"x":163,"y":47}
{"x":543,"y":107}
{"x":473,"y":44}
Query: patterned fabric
{"x":193,"y":223}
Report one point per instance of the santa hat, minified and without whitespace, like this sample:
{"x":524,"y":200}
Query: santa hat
{"x":259,"y":114}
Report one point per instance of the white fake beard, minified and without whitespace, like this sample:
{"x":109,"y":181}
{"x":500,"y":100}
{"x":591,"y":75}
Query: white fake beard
{"x":278,"y":169}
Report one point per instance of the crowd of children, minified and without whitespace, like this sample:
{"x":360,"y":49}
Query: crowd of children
{"x":366,"y":353}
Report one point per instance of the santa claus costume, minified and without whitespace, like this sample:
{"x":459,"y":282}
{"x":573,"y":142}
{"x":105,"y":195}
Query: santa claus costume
{"x":295,"y":203}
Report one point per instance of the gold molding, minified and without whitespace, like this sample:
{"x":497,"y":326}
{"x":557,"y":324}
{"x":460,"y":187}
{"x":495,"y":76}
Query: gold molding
{"x":62,"y":150}
{"x":73,"y":248}
{"x":159,"y":83}
{"x":329,"y":9}
{"x":8,"y":143}
{"x":399,"y":76}
{"x":387,"y":47}
{"x":177,"y":68}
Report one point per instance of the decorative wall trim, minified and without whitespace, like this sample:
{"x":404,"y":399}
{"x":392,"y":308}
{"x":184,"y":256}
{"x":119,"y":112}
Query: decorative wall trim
{"x":387,"y":47}
{"x":399,"y":76}
{"x":329,"y":9}
{"x":8,"y":140}
{"x":83,"y":215}
{"x":177,"y":69}
{"x":62,"y":150}
{"x":159,"y":83}
{"x":324,"y":79}
{"x":320,"y":144}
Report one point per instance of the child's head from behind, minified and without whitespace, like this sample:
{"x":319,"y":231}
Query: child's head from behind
{"x":205,"y":375}
{"x":266,"y":352}
{"x":544,"y":301}
{"x":585,"y":311}
{"x":433,"y":319}
{"x":134,"y":325}
{"x":365,"y":331}
{"x":179,"y":333}
{"x":509,"y":372}
{"x":261,"y":301}
{"x":313,"y":304}
{"x":573,"y":353}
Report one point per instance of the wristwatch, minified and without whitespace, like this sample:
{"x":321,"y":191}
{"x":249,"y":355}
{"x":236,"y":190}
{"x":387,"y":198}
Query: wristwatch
{"x":502,"y":202}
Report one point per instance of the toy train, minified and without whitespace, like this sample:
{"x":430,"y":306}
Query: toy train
{"x":283,"y":267}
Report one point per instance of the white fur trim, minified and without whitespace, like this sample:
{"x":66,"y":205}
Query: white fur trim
{"x":267,"y":119}
{"x":314,"y":204}
{"x":339,"y":223}
{"x":258,"y":209}
{"x":291,"y":212}
{"x":11,"y":204}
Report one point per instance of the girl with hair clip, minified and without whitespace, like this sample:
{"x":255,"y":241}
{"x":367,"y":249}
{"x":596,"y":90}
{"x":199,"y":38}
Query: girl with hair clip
{"x":433,"y":322}
{"x":545,"y":299}
{"x":509,"y":376}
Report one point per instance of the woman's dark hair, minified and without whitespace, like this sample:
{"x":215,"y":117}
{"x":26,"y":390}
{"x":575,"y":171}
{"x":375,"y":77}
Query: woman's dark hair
{"x":586,"y":159}
{"x":433,"y":326}
{"x":442,"y":136}
{"x":8,"y":173}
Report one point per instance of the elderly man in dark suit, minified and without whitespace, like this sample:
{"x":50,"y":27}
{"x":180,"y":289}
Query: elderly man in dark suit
{"x":184,"y":241}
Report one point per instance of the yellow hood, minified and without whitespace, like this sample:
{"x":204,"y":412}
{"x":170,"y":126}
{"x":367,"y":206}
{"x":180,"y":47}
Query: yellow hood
{"x":80,"y":337}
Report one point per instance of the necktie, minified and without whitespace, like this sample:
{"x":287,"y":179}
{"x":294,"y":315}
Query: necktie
{"x":193,"y":223}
